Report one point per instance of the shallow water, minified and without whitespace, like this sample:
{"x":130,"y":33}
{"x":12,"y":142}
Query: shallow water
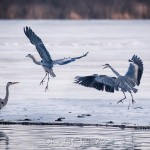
{"x":69,"y":138}
{"x":112,"y":42}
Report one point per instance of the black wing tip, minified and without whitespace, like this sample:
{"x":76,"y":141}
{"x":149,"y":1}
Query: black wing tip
{"x":89,"y":81}
{"x":137,"y":60}
{"x":27,"y":29}
{"x":137,"y":57}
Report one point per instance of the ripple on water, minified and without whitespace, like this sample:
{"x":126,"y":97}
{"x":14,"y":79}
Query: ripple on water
{"x":62,"y":137}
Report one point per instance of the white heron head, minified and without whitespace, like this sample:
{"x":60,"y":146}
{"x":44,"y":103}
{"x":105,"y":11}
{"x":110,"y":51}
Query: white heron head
{"x":106,"y":66}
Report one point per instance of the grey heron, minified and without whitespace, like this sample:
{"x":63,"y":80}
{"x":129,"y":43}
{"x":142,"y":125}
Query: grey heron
{"x":126,"y":83}
{"x":4,"y":101}
{"x":47,"y":63}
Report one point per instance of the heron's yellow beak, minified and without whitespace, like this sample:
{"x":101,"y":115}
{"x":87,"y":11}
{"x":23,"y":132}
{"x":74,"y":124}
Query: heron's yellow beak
{"x":15,"y":82}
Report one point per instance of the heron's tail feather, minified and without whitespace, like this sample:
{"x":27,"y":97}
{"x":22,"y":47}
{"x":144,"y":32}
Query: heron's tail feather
{"x":135,"y":90}
{"x":52,"y":73}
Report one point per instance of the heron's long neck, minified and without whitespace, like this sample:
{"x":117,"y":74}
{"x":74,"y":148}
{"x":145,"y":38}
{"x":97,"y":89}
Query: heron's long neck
{"x":7,"y":94}
{"x":35,"y":61}
{"x":114,"y":71}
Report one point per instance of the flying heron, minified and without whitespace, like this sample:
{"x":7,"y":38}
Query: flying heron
{"x":47,"y":63}
{"x":126,"y":83}
{"x":4,"y":101}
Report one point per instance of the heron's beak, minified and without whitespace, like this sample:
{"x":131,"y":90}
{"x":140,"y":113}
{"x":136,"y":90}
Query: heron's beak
{"x":15,"y":82}
{"x":27,"y":56}
{"x":130,"y":60}
{"x":104,"y":66}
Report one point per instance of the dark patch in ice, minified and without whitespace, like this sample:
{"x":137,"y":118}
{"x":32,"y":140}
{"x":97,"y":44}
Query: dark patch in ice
{"x":138,"y":108}
{"x":60,"y":119}
{"x":83,"y":115}
{"x":125,"y":123}
{"x":110,"y":122}
{"x":80,"y":116}
{"x":27,"y":119}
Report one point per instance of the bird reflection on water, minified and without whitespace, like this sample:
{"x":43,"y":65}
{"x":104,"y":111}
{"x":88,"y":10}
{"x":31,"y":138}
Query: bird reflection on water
{"x":4,"y":138}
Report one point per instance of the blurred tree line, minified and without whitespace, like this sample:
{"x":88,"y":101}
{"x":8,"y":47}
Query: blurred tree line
{"x":74,"y":9}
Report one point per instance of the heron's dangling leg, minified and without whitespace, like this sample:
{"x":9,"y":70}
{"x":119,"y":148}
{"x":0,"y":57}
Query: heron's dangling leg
{"x":132,"y":99}
{"x":122,"y":99}
{"x":46,"y":88}
{"x":43,"y":79}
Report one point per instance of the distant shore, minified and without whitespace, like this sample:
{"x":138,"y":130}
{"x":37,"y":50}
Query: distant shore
{"x":74,"y":9}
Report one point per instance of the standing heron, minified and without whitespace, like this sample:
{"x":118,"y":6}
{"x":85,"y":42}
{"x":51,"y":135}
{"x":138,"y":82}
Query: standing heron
{"x":109,"y":84}
{"x":47,"y":63}
{"x":4,"y":101}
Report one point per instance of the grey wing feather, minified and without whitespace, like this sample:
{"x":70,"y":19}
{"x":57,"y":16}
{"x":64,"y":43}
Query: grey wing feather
{"x":133,"y":72}
{"x":35,"y":40}
{"x":98,"y":82}
{"x":106,"y":80}
{"x":63,"y":61}
{"x":67,"y":60}
{"x":80,"y":56}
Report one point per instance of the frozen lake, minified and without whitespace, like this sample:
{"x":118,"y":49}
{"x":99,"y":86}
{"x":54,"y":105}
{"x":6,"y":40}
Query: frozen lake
{"x":112,"y":42}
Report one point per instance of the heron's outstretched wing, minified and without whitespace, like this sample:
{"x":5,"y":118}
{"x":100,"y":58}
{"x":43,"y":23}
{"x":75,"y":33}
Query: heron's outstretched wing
{"x":65,"y":61}
{"x":99,"y":82}
{"x":135,"y":69}
{"x":35,"y":40}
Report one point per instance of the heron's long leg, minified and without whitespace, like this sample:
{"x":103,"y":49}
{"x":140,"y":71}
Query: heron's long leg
{"x":43,"y":79}
{"x":122,"y":99}
{"x":132,"y":99}
{"x":46,"y":88}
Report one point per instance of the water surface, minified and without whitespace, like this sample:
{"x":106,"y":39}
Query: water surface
{"x":69,"y":138}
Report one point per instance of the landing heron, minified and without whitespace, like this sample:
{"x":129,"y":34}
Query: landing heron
{"x":126,"y":83}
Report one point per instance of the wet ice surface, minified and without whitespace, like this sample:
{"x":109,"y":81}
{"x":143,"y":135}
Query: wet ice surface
{"x":70,"y":138}
{"x":112,"y":42}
